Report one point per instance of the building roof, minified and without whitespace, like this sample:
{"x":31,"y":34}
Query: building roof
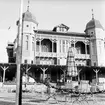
{"x":28,"y":16}
{"x":61,"y":25}
{"x":93,"y":24}
{"x":10,"y":45}
{"x":61,"y":33}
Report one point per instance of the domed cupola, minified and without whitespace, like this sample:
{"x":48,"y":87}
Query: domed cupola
{"x":28,"y":16}
{"x":93,"y":24}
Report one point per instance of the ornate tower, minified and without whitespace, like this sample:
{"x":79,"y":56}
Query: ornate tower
{"x":28,"y":36}
{"x":97,"y":42}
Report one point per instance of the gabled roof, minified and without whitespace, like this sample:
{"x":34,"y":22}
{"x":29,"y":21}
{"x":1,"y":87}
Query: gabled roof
{"x":63,"y":26}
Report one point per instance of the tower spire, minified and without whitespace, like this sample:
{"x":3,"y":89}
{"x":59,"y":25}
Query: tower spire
{"x":92,"y":15}
{"x":28,"y":5}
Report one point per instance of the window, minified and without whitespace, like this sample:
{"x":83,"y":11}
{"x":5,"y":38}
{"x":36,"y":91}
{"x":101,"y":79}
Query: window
{"x":33,"y":39}
{"x":91,"y":32}
{"x":88,"y":62}
{"x":25,"y":61}
{"x":26,"y":45}
{"x":27,"y":42}
{"x":60,"y":46}
{"x":32,"y":43}
{"x":78,"y":50}
{"x":37,"y":46}
{"x":93,"y":49}
{"x":44,"y":47}
{"x":60,"y":29}
{"x":33,"y":27}
{"x":26,"y":37}
{"x":32,"y":62}
{"x":11,"y":54}
{"x":32,"y":46}
{"x":72,"y":45}
{"x":27,"y":25}
{"x":67,"y":45}
{"x":104,"y":44}
{"x":94,"y":63}
{"x":88,"y":49}
{"x":55,"y":47}
{"x":63,"y":46}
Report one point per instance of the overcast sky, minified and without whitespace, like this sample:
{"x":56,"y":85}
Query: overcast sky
{"x":49,"y":13}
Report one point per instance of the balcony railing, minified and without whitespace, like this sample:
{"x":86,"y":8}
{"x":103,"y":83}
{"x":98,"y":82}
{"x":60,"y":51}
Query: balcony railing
{"x":63,"y":55}
{"x":46,"y":54}
{"x":82,"y":56}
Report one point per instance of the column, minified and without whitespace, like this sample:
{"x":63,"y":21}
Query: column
{"x":52,"y":45}
{"x":85,"y":48}
{"x":61,"y":46}
{"x":96,"y":71}
{"x":57,"y":49}
{"x":40,"y":46}
{"x":74,"y":46}
{"x":65,"y":45}
{"x":86,"y":52}
{"x":44,"y":70}
{"x":4,"y":70}
{"x":35,"y":49}
{"x":40,"y":49}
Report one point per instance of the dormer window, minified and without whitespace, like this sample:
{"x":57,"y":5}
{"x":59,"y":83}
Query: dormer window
{"x":61,"y":28}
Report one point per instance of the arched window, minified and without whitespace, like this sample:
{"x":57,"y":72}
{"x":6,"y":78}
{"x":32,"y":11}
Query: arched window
{"x":80,"y":47}
{"x":33,"y":44}
{"x":46,"y":45}
{"x":27,"y":39}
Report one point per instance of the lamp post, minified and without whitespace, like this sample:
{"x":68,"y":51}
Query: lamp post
{"x":18,"y":61}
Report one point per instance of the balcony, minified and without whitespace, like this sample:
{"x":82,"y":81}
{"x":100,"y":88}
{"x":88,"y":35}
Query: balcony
{"x":82,"y":56}
{"x":46,"y":54}
{"x":63,"y":55}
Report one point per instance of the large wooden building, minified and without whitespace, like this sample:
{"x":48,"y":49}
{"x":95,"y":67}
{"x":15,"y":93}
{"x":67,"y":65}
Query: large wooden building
{"x":49,"y":48}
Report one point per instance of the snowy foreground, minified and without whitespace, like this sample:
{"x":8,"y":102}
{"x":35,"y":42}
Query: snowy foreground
{"x":40,"y":99}
{"x":36,"y":95}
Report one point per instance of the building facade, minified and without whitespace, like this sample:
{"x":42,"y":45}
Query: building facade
{"x":50,"y":47}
